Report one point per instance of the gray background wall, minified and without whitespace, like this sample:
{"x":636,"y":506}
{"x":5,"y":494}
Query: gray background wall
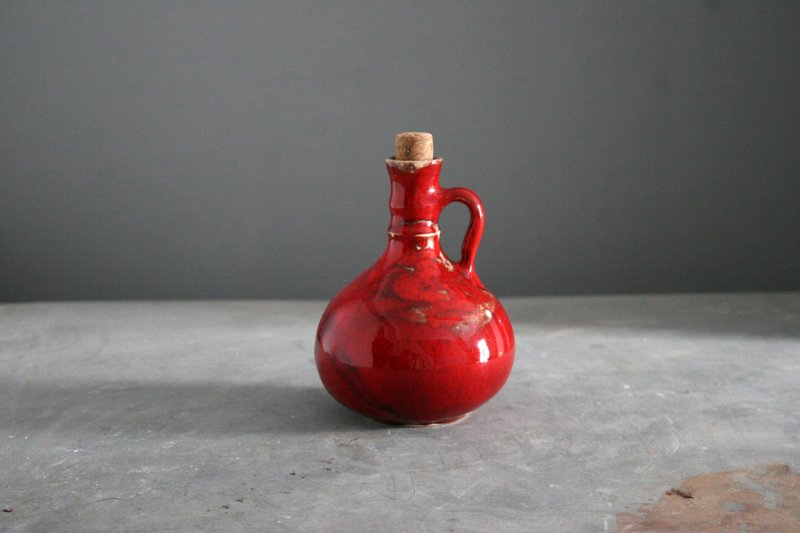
{"x":218,"y":149}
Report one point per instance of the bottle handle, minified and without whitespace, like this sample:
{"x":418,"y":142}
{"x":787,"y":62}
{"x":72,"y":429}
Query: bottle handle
{"x":472,"y":238}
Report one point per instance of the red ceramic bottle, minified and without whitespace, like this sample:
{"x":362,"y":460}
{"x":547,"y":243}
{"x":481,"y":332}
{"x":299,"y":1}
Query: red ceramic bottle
{"x":416,"y":338}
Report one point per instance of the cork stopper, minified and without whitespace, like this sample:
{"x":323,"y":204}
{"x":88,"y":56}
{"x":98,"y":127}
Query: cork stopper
{"x":413,"y":146}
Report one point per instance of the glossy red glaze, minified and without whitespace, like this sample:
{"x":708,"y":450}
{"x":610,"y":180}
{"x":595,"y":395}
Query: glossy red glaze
{"x":416,"y":338}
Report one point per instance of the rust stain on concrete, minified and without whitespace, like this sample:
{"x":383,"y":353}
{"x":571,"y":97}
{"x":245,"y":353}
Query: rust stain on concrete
{"x":758,"y":500}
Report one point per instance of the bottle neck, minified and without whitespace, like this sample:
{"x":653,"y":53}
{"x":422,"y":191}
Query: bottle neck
{"x":415,"y":201}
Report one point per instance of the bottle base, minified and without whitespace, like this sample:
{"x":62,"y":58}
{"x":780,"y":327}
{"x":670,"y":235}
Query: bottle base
{"x":446,"y":422}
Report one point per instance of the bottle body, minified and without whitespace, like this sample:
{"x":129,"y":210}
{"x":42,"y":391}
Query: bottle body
{"x":416,"y":338}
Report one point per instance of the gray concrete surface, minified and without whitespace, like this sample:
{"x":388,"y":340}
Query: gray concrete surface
{"x":162,"y":416}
